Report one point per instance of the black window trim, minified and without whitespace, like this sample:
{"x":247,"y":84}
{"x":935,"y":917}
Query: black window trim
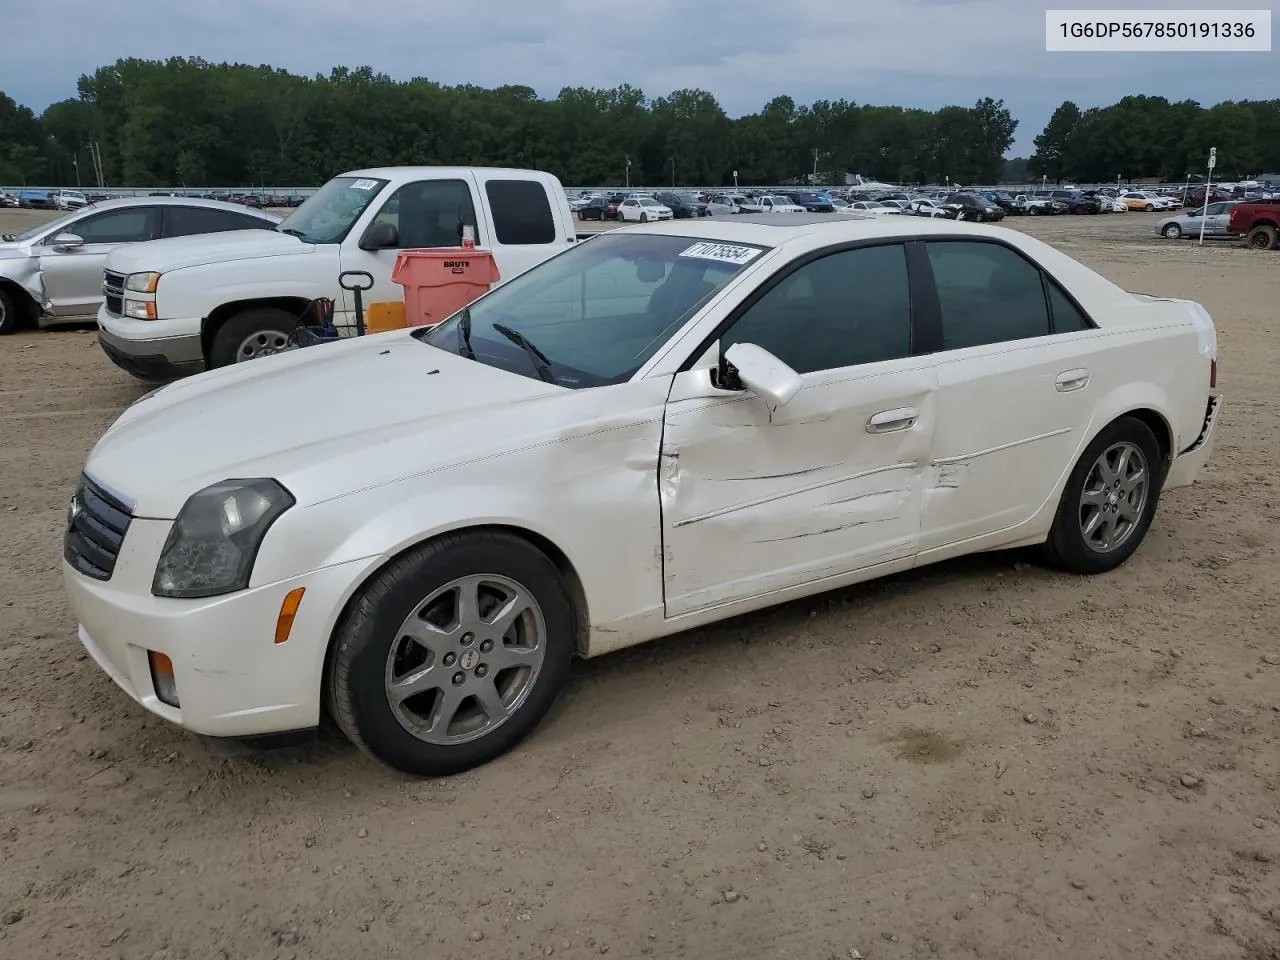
{"x":166,"y":210}
{"x":926,"y":306}
{"x":153,"y":220}
{"x":921,"y":328}
{"x":1046,"y":279}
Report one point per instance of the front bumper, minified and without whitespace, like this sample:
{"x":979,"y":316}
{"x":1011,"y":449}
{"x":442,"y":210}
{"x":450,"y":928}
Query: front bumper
{"x":151,"y":349}
{"x":232,"y":678}
{"x":1186,"y":466}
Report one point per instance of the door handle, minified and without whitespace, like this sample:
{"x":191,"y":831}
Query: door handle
{"x":1070,"y":380}
{"x":889,"y":421}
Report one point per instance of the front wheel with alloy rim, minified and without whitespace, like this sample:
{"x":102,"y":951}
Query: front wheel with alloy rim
{"x":1172,"y":231}
{"x":251,"y":334}
{"x":1109,"y":500}
{"x":452,"y":654}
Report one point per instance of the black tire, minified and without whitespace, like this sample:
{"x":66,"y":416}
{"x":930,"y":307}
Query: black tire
{"x":1033,"y":211}
{"x":10,"y":317}
{"x":1149,"y":208}
{"x":1066,"y":547}
{"x":1172,"y":232}
{"x":1260,"y":238}
{"x":644,"y":218}
{"x":362,"y":641}
{"x":266,"y":321}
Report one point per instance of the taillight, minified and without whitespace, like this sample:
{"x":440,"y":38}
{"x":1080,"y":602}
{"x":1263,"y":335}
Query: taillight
{"x":1213,"y":374}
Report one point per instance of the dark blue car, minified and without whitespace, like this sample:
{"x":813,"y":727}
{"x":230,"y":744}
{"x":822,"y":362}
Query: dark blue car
{"x":813,"y":201}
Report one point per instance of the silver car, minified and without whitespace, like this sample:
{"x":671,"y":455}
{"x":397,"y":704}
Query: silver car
{"x":1214,"y":217}
{"x":52,"y":273}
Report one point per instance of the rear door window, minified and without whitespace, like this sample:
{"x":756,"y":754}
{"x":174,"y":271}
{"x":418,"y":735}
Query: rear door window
{"x":521,"y":212}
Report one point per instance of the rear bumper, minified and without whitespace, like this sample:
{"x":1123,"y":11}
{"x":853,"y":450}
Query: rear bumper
{"x":1186,"y":466}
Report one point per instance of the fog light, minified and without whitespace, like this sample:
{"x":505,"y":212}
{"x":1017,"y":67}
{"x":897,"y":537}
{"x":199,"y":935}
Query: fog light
{"x":162,"y":678}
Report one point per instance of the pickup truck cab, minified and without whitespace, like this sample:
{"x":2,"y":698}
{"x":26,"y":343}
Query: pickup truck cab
{"x":1258,"y":223}
{"x":185,"y":305}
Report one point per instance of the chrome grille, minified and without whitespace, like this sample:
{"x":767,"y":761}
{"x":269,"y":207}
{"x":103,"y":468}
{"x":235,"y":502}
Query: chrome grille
{"x":96,"y":525}
{"x":113,"y":290}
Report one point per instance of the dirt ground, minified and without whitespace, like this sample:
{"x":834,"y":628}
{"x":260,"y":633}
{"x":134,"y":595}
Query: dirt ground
{"x":981,"y":759}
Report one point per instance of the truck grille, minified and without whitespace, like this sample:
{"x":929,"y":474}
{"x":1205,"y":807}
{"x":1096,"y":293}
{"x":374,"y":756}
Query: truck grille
{"x":113,"y":289}
{"x":96,"y":525}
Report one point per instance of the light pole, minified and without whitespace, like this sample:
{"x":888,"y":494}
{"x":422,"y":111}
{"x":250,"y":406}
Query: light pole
{"x":628,"y":173}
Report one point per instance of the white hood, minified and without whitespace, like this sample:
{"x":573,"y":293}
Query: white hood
{"x":174,"y":253}
{"x":309,"y":418}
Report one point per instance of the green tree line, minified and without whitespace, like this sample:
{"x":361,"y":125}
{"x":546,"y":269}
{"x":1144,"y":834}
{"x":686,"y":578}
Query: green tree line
{"x":1152,"y":137}
{"x":188,"y":122}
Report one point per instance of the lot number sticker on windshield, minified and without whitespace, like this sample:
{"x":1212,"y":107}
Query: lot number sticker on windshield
{"x":724,"y":252}
{"x":364,"y":184}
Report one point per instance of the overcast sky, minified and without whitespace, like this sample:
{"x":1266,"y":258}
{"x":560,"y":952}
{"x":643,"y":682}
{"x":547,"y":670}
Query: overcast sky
{"x":925,"y":53}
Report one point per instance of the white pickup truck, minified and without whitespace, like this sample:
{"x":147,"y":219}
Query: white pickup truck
{"x":182,"y":305}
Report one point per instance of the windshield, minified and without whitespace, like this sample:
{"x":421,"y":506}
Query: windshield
{"x":648,"y":202}
{"x":598,"y":311}
{"x":328,"y":214}
{"x":48,"y":226}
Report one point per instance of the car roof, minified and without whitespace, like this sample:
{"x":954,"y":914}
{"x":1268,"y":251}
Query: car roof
{"x":821,"y":228}
{"x":123,"y":202}
{"x":390,"y":173}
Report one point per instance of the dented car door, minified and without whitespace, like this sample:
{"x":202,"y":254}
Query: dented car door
{"x":757,"y":499}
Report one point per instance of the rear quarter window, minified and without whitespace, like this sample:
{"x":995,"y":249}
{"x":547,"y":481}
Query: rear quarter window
{"x":521,"y":212}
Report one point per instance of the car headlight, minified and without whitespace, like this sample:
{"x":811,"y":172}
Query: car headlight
{"x":140,"y":309}
{"x":142,"y":282}
{"x":215,"y":539}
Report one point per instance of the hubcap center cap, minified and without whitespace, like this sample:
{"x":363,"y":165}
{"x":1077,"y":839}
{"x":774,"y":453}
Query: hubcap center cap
{"x":1112,"y":499}
{"x":469,"y":659}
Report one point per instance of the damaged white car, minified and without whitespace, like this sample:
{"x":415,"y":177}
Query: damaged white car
{"x":664,"y":427}
{"x":52,"y":273}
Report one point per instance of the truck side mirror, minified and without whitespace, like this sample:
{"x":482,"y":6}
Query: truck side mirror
{"x":380,"y":236}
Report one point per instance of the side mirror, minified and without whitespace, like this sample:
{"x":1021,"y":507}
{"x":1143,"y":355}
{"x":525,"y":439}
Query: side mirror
{"x":380,"y":236}
{"x":67,"y":241}
{"x":764,"y":374}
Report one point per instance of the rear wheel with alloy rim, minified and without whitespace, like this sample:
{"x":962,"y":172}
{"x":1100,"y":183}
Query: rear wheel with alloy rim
{"x":452,"y":654}
{"x":1172,"y":231}
{"x":1109,"y":500}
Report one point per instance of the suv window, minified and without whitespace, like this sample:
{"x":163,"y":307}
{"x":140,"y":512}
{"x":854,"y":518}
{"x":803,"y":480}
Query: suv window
{"x":188,"y":221}
{"x":521,"y":211}
{"x":988,"y":294}
{"x":430,"y":213}
{"x":117,"y":226}
{"x":845,"y":309}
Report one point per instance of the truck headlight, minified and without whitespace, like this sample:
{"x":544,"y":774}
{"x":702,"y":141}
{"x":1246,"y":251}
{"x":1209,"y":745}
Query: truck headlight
{"x":215,"y":539}
{"x":140,"y":309}
{"x":142,"y":282}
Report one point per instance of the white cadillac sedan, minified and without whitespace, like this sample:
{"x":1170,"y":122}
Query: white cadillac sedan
{"x":659,"y":428}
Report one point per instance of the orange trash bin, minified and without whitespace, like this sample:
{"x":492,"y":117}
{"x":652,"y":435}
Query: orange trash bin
{"x":441,"y":281}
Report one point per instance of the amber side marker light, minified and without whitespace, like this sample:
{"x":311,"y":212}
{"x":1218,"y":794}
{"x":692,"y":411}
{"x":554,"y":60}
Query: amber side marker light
{"x":288,"y":610}
{"x":162,"y":678}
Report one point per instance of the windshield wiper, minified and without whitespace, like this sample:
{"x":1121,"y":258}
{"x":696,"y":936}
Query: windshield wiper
{"x":9,"y":237}
{"x":539,"y":359}
{"x":292,"y":232}
{"x":464,"y":333}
